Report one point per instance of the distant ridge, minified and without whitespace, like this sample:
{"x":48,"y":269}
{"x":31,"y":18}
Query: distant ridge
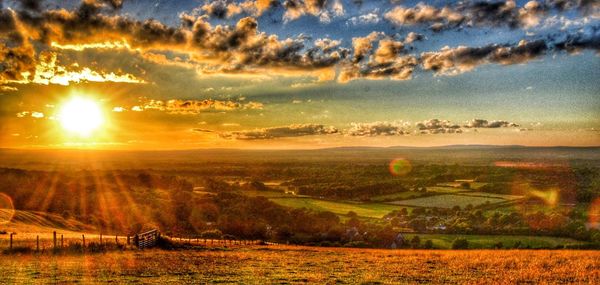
{"x":453,"y":146}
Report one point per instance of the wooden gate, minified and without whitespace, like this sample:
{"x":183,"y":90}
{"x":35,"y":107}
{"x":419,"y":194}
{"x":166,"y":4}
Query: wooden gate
{"x":147,"y":239}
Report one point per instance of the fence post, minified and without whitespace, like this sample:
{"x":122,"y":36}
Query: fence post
{"x":11,"y":240}
{"x":100,"y":238}
{"x":54,"y":239}
{"x":37,"y":243}
{"x":62,"y":241}
{"x":83,"y":238}
{"x":116,"y":240}
{"x":128,"y":241}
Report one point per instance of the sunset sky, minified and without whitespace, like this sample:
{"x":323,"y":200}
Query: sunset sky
{"x":167,"y":74}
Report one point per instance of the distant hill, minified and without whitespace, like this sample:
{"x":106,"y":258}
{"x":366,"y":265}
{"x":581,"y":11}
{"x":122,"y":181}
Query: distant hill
{"x":24,"y":222}
{"x":460,"y":154}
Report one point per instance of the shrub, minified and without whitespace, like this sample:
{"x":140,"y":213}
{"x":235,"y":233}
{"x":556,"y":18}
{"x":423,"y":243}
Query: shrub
{"x":211,"y":234}
{"x":460,"y":243}
{"x":428,"y":244}
{"x":18,"y":250}
{"x":165,"y":243}
{"x":356,"y":244}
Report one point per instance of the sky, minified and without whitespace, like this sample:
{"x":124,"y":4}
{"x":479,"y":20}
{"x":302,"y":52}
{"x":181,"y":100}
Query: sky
{"x":298,"y":74}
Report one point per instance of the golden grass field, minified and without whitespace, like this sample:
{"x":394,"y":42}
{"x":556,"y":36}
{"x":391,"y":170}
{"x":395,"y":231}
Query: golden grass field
{"x":298,"y":265}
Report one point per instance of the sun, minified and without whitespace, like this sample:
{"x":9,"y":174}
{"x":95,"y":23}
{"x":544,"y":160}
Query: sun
{"x":81,"y":116}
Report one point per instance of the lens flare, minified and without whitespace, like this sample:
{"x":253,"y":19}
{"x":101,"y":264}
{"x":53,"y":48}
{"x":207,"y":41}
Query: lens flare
{"x":7,"y":209}
{"x":549,"y":197}
{"x":400,"y":167}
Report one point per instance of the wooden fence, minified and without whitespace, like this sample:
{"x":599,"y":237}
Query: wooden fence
{"x":57,"y":241}
{"x":87,"y":242}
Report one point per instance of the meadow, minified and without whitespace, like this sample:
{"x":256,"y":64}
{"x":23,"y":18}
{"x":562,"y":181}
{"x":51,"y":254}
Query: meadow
{"x":301,"y":265}
{"x":448,"y":201}
{"x":366,"y":210}
{"x":444,"y":241}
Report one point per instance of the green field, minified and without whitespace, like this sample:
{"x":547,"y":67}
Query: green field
{"x":397,"y":196}
{"x":270,"y":194}
{"x":485,"y":195}
{"x":472,"y":185}
{"x":413,"y":194}
{"x":367,"y":210}
{"x":444,"y":241}
{"x":448,"y":201}
{"x":445,"y":189}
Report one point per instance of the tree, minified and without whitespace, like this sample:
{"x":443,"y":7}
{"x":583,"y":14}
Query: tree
{"x":211,"y":234}
{"x":428,"y":244}
{"x":415,"y":242}
{"x":460,"y":243}
{"x":404,"y":212}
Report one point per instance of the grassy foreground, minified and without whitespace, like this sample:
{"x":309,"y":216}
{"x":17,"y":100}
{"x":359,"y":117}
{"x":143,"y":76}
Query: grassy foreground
{"x":297,"y":265}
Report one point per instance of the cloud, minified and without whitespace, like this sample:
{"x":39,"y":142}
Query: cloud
{"x":485,"y":13}
{"x":481,"y":123}
{"x":242,"y":49}
{"x":372,"y":129}
{"x":327,"y":45}
{"x":384,"y":62}
{"x":413,"y":37}
{"x":452,"y":61}
{"x":436,"y":126}
{"x":32,"y":114}
{"x":188,"y":107}
{"x":423,"y":13}
{"x":280,"y":132}
{"x":363,"y":45}
{"x":579,"y":41}
{"x":48,"y":71}
{"x":377,"y":129}
{"x":221,"y":9}
{"x":366,"y":19}
{"x":400,"y":68}
{"x":323,"y":9}
{"x":177,"y":106}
